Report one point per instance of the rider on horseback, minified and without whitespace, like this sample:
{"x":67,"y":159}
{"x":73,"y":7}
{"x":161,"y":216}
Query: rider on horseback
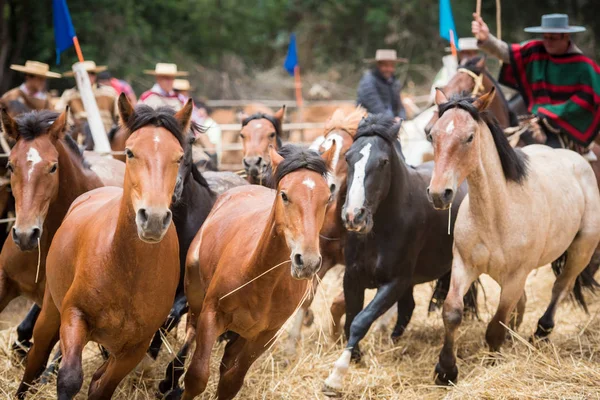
{"x":559,"y":84}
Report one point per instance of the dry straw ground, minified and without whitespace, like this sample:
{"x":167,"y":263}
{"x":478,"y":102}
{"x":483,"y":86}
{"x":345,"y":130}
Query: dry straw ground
{"x":566,"y":368}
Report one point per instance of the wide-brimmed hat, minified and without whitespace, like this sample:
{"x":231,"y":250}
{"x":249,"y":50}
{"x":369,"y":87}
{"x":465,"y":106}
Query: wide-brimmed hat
{"x":182,"y":85}
{"x":165,"y":69}
{"x":386,"y":55}
{"x":35,"y":68}
{"x":466,"y":44}
{"x":90,"y":67}
{"x":555,"y":23}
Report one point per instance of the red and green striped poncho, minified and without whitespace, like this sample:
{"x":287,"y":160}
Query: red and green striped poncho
{"x":564,"y":89}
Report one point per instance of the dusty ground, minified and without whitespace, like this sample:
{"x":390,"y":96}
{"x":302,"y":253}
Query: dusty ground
{"x":566,"y":368}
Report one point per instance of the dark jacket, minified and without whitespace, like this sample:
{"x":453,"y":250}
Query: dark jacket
{"x":379,"y":95}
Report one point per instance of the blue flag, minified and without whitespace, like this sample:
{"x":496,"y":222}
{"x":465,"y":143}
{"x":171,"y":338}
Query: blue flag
{"x":447,"y":21}
{"x":291,"y":60}
{"x":63,"y":27}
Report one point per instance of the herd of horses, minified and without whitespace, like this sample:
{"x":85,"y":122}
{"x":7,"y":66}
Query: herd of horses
{"x":118,"y":252}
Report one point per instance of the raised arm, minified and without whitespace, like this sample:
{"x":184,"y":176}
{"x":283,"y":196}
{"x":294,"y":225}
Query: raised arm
{"x":488,"y":42}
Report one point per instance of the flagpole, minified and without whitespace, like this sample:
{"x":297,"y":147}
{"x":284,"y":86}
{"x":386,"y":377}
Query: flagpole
{"x":78,"y":49}
{"x":453,"y":45}
{"x":298,"y":85}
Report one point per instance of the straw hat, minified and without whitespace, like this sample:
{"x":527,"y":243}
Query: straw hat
{"x":555,"y":23}
{"x":466,"y":44}
{"x":35,"y":68}
{"x":182,"y":85}
{"x":165,"y":69}
{"x":386,"y":55}
{"x":89,"y":66}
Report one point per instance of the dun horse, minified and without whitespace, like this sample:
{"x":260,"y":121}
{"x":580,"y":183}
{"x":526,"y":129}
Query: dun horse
{"x":236,"y":279}
{"x":395,"y":241}
{"x":525,"y":209}
{"x":259,"y":131}
{"x":113,"y":265}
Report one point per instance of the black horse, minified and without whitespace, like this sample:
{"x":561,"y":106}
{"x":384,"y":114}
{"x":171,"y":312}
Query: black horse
{"x":395,"y":239}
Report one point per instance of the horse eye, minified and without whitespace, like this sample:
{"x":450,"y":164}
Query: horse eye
{"x":470,"y":138}
{"x":54,"y":168}
{"x":128,"y":153}
{"x":180,"y":160}
{"x":242,"y":136}
{"x":272,"y":135}
{"x":10,"y":167}
{"x":284,"y":197}
{"x":332,"y":188}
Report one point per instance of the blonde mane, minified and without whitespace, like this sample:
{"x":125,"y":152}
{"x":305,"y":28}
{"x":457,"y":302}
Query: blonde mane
{"x":349,"y":123}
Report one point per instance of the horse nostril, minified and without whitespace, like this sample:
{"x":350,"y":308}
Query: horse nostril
{"x":142,"y":215}
{"x":258,"y":160}
{"x":245,"y":162}
{"x":14,"y":235}
{"x":167,"y":218}
{"x":35,"y":234}
{"x":360,"y":214}
{"x":298,"y":260}
{"x":448,"y":193}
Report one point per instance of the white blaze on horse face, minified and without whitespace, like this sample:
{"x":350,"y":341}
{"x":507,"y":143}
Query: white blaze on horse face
{"x":356,"y":194}
{"x":450,"y":128}
{"x":309,"y":183}
{"x":33,"y":157}
{"x":331,"y":139}
{"x":317,"y":143}
{"x":258,"y":125}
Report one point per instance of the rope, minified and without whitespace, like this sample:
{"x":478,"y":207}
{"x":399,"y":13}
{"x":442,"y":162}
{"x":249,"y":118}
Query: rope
{"x":37,"y":272}
{"x":478,"y":88}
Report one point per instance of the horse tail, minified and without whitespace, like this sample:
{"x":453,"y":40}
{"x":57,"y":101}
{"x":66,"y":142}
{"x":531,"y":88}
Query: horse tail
{"x":585,"y":281}
{"x":440,"y":292}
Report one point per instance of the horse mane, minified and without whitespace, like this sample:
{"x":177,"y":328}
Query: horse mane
{"x":162,"y":116}
{"x":196,"y":174}
{"x":514,"y":162}
{"x":349,"y":123}
{"x":471,"y":65}
{"x":275,"y":122}
{"x":295,"y":158}
{"x":382,"y":126}
{"x":36,"y":123}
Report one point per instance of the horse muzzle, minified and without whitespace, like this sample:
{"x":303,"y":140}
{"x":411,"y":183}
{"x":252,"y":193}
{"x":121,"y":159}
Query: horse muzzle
{"x":26,"y":239}
{"x":255,"y":166}
{"x":358,"y":220}
{"x":305,"y":265}
{"x":441,"y":200}
{"x":152,"y":223}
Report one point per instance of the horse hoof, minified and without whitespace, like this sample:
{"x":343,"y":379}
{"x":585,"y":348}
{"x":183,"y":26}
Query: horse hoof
{"x":443,"y":377}
{"x":330,"y":391}
{"x":395,"y":338}
{"x":309,"y":318}
{"x":20,"y":349}
{"x":356,"y":355}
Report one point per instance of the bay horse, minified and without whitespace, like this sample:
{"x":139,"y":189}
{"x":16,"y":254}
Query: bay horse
{"x":112,"y":268}
{"x":48,"y":172}
{"x":525,"y":209}
{"x":395,"y":239}
{"x":233,"y":277}
{"x":259,"y":131}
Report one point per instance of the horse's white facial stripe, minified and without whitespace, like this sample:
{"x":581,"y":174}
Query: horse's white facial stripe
{"x":317,"y":143}
{"x":356,"y":194}
{"x":309,"y":183}
{"x":156,"y":139}
{"x":331,"y":139}
{"x":450,"y":127}
{"x":259,"y":125}
{"x":33,"y":156}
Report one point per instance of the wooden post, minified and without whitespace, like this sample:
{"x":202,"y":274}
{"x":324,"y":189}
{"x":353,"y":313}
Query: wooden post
{"x":478,"y":9}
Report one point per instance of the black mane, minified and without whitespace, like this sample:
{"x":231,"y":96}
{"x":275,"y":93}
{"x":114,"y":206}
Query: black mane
{"x":382,"y":126}
{"x":196,"y":174}
{"x":275,"y":122}
{"x":514,"y":162}
{"x":163,"y":116}
{"x":36,"y":123}
{"x":295,"y":158}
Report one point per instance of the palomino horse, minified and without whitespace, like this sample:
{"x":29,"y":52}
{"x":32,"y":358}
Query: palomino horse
{"x":259,"y":131}
{"x":514,"y":219}
{"x":233,"y":277}
{"x":116,"y":248}
{"x":48,"y":174}
{"x":395,"y":239}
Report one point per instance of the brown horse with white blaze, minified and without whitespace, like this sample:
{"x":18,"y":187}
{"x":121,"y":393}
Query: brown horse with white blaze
{"x":234,"y":276}
{"x":113,"y":266}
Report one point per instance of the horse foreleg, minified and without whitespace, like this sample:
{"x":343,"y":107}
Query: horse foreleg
{"x":25,"y":332}
{"x":406,"y":306}
{"x":387,"y":295}
{"x":510,"y":295}
{"x":462,"y":277}
{"x":8,"y":290}
{"x":196,"y":378}
{"x":169,"y":386}
{"x":337,"y":310}
{"x":45,"y":336}
{"x":74,"y":334}
{"x":517,"y":316}
{"x":177,"y":312}
{"x":117,"y":368}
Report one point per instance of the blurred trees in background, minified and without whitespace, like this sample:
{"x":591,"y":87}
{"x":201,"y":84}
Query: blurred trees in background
{"x":239,"y":38}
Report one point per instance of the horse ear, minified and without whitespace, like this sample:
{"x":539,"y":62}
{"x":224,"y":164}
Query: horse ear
{"x":59,"y":128}
{"x":125,"y":108}
{"x":241,"y":116}
{"x":440,"y":97}
{"x":280,"y":114}
{"x":482,"y":103}
{"x":328,"y":155}
{"x":184,"y":116}
{"x":9,"y":126}
{"x":481,"y":64}
{"x":276,"y":159}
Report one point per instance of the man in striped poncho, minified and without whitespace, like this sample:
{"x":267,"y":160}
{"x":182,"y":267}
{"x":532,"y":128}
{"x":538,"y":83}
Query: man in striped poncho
{"x":560,"y":85}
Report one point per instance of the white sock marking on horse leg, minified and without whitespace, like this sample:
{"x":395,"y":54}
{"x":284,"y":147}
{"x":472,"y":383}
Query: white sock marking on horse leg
{"x":356,"y":194}
{"x":340,"y":368}
{"x":295,"y":332}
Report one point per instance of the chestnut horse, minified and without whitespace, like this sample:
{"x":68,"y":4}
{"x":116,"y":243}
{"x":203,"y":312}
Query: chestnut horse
{"x":259,"y":131}
{"x":524,"y":209}
{"x":113,"y":266}
{"x":234,"y":279}
{"x":48,"y":173}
